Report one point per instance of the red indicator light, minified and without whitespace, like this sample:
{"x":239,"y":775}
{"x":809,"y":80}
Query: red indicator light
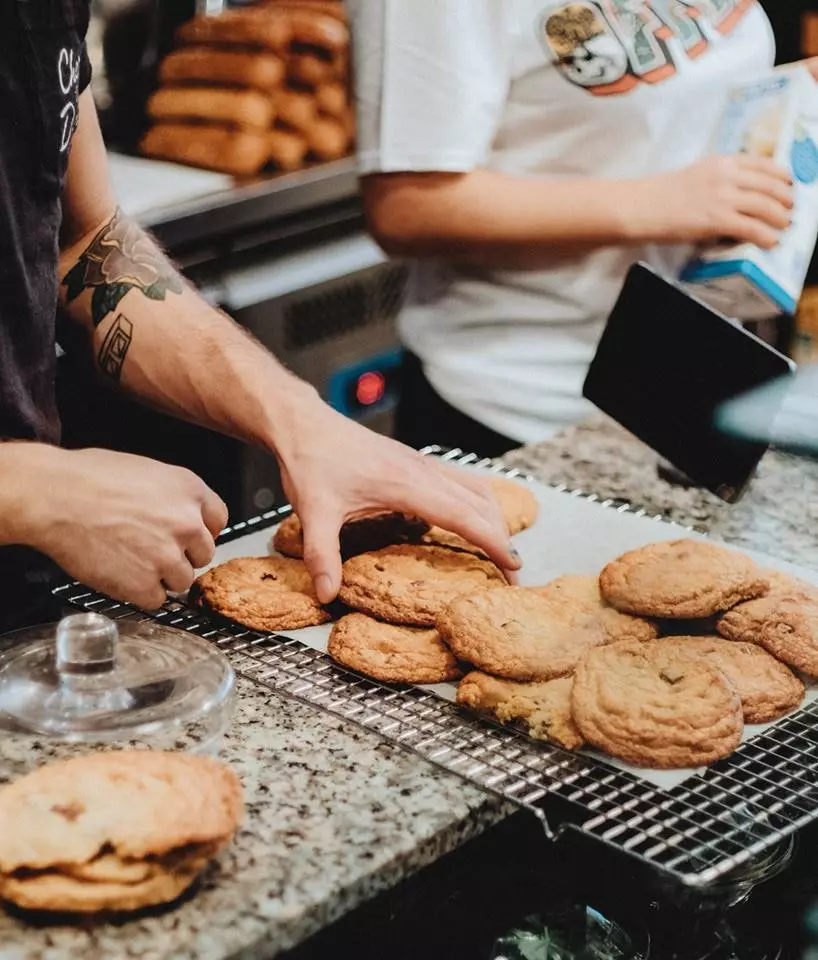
{"x":370,"y":388}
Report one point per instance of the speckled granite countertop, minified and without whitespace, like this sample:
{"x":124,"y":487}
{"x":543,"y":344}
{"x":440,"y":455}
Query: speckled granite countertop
{"x":335,"y":815}
{"x":778,"y":515}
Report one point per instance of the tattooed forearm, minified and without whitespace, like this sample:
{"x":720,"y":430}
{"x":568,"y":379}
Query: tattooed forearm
{"x":114,"y":349}
{"x":120,"y":258}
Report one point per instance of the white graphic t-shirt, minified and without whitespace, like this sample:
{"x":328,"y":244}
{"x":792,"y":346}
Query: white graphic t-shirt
{"x":539,"y":88}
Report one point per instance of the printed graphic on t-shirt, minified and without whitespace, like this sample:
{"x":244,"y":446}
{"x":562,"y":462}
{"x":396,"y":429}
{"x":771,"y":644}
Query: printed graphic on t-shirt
{"x":612,"y":46}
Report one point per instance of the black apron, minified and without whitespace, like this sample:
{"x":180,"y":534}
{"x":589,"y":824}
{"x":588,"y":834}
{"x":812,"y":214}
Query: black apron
{"x":43,"y":69}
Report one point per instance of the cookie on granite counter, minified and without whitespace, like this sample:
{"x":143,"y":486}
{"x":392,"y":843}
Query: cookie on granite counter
{"x":681,"y":579}
{"x":356,"y":536}
{"x":652,"y":708}
{"x":262,"y":593}
{"x":392,"y":653}
{"x":518,"y":634}
{"x":409,"y":584}
{"x":768,"y":689}
{"x":543,"y":708}
{"x":116,"y":831}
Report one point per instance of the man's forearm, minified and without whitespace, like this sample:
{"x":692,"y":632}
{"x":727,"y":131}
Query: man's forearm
{"x":497,"y":220}
{"x":157,"y":338}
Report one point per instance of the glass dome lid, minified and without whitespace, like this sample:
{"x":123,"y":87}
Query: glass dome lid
{"x":89,"y":678}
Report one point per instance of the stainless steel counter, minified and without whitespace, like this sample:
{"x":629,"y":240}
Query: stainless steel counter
{"x":244,"y":208}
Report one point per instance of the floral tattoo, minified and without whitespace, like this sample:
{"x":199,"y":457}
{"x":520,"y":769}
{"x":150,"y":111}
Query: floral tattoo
{"x":120,"y":258}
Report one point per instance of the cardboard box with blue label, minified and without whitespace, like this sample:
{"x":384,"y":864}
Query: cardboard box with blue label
{"x":774,"y":116}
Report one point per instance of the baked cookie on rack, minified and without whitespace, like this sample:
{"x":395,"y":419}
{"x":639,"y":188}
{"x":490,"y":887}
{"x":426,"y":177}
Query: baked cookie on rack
{"x":519,"y":634}
{"x":745,"y":621}
{"x":768,"y":689}
{"x":373,"y":532}
{"x":411,"y":584}
{"x":651,"y":707}
{"x":438,"y":537}
{"x":544,"y":709}
{"x":518,"y":504}
{"x":262,"y":593}
{"x":681,"y":579}
{"x":581,"y":595}
{"x":392,"y":653}
{"x":784,"y":622}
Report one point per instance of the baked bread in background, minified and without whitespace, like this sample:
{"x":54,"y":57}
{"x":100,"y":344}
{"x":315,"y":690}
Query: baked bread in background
{"x":265,"y":86}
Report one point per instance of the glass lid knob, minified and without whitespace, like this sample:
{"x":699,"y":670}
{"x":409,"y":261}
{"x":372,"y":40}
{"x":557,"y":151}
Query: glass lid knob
{"x":86,"y":645}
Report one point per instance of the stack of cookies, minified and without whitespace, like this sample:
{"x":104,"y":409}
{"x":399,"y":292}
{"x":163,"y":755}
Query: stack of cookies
{"x":114,"y":832}
{"x":258,"y":86}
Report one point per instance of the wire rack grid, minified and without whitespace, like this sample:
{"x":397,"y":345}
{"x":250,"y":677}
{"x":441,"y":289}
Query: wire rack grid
{"x":697,"y":832}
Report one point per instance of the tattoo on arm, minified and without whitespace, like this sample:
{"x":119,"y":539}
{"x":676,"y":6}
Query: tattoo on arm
{"x":114,"y":349}
{"x":120,"y":258}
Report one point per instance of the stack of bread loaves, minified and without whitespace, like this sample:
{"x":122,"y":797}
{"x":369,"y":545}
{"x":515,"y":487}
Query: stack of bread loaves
{"x":257,"y":86}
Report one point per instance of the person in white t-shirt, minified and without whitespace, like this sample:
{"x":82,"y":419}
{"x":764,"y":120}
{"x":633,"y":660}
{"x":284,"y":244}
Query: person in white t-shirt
{"x":526,"y":153}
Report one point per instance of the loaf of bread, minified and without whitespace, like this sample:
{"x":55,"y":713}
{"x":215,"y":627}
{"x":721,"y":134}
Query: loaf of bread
{"x":236,"y":152}
{"x":310,"y":70}
{"x":297,"y":110}
{"x":327,"y":139}
{"x":288,"y":150}
{"x":312,"y":29}
{"x":240,"y":68}
{"x":266,"y":28}
{"x":271,"y":27}
{"x":242,"y":108}
{"x":329,"y":8}
{"x":332,"y":99}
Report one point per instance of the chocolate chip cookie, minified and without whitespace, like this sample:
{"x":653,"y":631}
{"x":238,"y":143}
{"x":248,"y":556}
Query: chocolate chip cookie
{"x":392,"y":653}
{"x":410,"y":584}
{"x":368,"y":533}
{"x":262,"y":593}
{"x":652,"y":708}
{"x":518,"y":504}
{"x":582,"y":595}
{"x":681,"y":579}
{"x":521,"y":635}
{"x":767,"y":688}
{"x":438,"y":537}
{"x":114,"y":831}
{"x":544,"y":709}
{"x":745,"y":621}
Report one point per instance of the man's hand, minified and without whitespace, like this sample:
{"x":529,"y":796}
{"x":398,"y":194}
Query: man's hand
{"x":127,"y":526}
{"x":334,"y":470}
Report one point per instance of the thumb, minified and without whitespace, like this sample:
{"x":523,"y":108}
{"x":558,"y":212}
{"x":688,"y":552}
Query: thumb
{"x":322,"y":553}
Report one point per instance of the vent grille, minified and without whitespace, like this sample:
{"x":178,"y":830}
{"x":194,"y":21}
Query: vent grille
{"x":348,"y":306}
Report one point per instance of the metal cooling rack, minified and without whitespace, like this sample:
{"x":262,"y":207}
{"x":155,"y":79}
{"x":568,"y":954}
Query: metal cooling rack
{"x":697,"y":832}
